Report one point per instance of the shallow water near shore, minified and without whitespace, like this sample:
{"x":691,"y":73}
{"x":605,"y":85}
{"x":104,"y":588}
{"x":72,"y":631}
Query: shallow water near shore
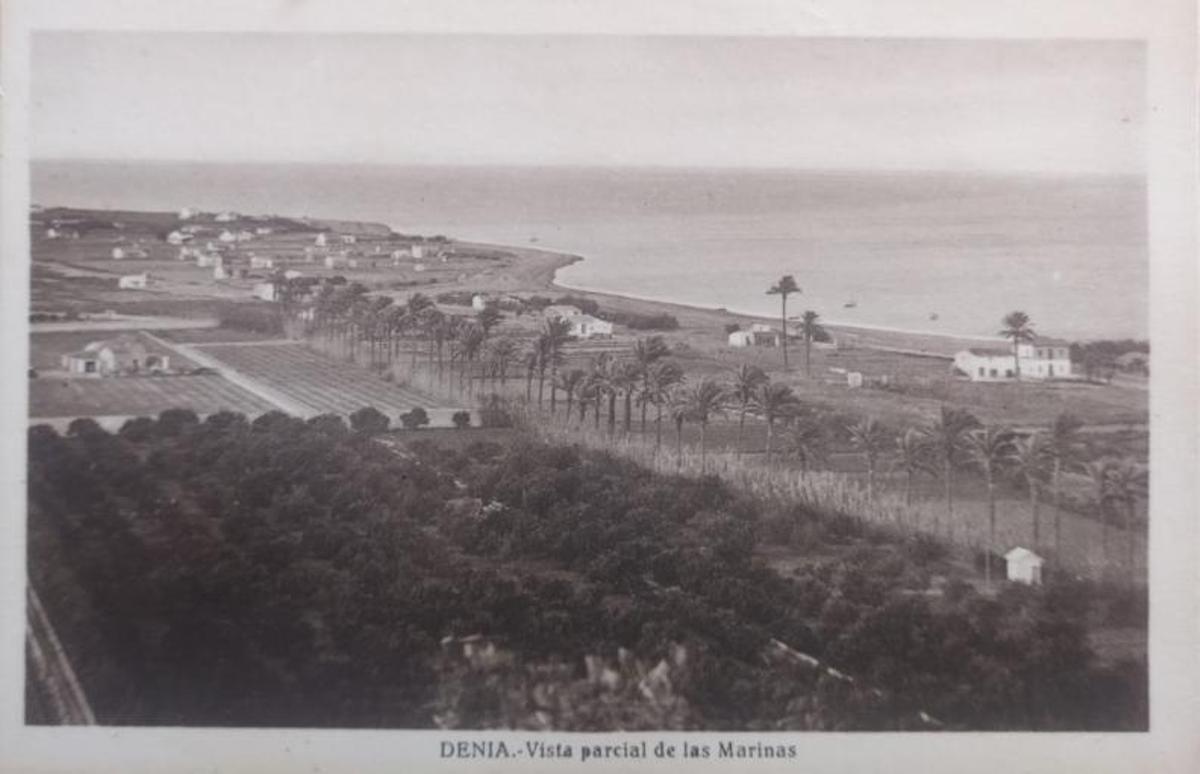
{"x":929,"y":252}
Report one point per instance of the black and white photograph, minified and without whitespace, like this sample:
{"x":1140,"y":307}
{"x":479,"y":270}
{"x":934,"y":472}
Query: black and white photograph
{"x":592,"y":387}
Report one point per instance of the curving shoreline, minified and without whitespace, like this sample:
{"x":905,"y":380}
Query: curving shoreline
{"x":536,"y":270}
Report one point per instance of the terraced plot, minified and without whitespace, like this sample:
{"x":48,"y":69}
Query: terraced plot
{"x":314,"y":379}
{"x":139,"y":396}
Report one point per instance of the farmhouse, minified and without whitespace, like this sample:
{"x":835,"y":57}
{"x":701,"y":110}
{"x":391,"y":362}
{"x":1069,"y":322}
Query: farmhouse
{"x":584,"y":326}
{"x":134,"y":281}
{"x":187,"y":213}
{"x":481,"y":301}
{"x":178,"y":237}
{"x":292,"y":274}
{"x":321,"y":240}
{"x":262,"y":262}
{"x":1024,"y":566}
{"x":418,"y":252}
{"x":226,"y":217}
{"x":122,"y":355}
{"x":337,"y":261}
{"x":1042,"y":359}
{"x":759,"y":335}
{"x":227,"y":236}
{"x":207,"y":260}
{"x":220,"y":272}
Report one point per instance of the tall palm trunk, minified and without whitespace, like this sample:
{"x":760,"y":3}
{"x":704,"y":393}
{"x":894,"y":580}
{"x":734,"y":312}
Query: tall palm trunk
{"x":741,"y":429}
{"x":1057,"y":495}
{"x":1033,"y":510}
{"x":987,"y":554}
{"x":948,"y":481}
{"x":628,"y":410}
{"x":612,"y":412}
{"x":658,"y":426}
{"x":704,"y":446}
{"x":770,"y":437}
{"x":783,"y":328}
{"x":678,"y":442}
{"x":870,"y":477}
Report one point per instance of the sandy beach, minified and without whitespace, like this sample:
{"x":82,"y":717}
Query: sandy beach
{"x":535,"y":270}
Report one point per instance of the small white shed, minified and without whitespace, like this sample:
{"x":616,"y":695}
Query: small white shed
{"x":1024,"y":566}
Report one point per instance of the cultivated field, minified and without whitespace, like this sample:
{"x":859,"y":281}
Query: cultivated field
{"x":315,"y":380}
{"x":138,"y":396}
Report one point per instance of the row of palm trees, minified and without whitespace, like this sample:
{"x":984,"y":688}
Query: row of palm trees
{"x":611,"y":386}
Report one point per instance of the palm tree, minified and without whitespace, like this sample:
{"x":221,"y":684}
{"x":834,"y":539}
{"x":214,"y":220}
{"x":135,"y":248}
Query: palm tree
{"x":706,"y":399}
{"x":570,"y":382}
{"x":646,"y":352}
{"x":1128,"y":483}
{"x":811,"y":330}
{"x":679,"y":405}
{"x":554,"y":335}
{"x":774,"y":401}
{"x":946,"y":436}
{"x":468,"y":342}
{"x":531,"y":358}
{"x":1065,"y":449}
{"x":912,"y":453}
{"x":626,"y":378}
{"x":1031,"y":461}
{"x":1099,"y":474}
{"x":1017,"y":327}
{"x":663,"y":377}
{"x":503,"y":352}
{"x":988,"y":448}
{"x":746,"y":381}
{"x":869,"y":438}
{"x":808,"y":440}
{"x":784,"y":288}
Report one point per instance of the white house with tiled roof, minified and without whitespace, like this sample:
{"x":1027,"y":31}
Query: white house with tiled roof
{"x":1043,"y":358}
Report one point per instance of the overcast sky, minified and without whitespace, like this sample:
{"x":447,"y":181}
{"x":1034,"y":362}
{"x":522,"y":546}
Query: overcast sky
{"x":1003,"y":106}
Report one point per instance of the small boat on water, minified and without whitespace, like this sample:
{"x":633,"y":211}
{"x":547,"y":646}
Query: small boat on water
{"x":533,"y":239}
{"x":851,"y":304}
{"x":933,"y":315}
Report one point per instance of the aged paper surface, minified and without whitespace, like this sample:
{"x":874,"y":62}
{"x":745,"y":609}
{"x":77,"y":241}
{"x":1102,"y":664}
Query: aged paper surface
{"x":513,"y":386}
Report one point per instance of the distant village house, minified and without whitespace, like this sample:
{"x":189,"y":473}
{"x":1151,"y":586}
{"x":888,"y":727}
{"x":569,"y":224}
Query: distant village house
{"x":1024,"y":566}
{"x":584,"y":326}
{"x":122,"y":355}
{"x":759,"y":335}
{"x":1042,"y":359}
{"x":134,"y":281}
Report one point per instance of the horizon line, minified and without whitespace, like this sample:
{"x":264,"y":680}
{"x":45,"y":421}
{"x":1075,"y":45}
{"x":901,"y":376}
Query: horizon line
{"x":1043,"y":173}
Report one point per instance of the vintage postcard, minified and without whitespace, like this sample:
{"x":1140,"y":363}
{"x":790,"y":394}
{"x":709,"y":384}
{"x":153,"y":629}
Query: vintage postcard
{"x":475,"y":389}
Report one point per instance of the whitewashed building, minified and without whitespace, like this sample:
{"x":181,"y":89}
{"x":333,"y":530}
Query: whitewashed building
{"x":178,"y":237}
{"x":1044,"y":358}
{"x":124,"y":354}
{"x":321,"y":240}
{"x":220,"y":272}
{"x":134,"y":281}
{"x":292,"y":274}
{"x":759,"y":335}
{"x":227,"y":236}
{"x":226,"y":217}
{"x":262,"y":262}
{"x":584,"y":326}
{"x":1024,"y":566}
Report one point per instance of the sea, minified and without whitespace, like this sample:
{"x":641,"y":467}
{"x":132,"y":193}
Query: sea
{"x":937,"y":253}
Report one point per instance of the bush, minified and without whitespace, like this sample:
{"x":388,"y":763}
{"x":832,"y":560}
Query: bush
{"x":732,"y":328}
{"x":642,"y":322}
{"x":461,"y":419}
{"x":369,"y":421}
{"x":254,"y":317}
{"x":411,"y":420}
